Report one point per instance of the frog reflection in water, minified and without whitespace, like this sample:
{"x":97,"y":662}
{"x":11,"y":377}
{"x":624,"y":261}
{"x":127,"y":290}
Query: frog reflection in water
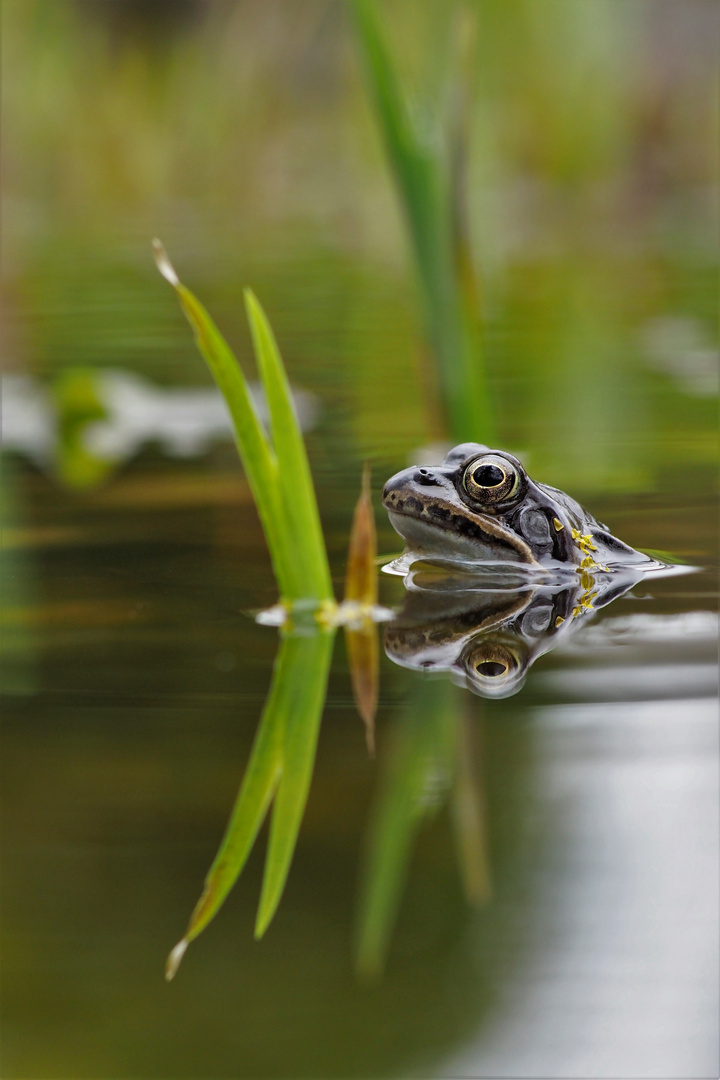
{"x":487,"y":639}
{"x":480,"y":506}
{"x":477,"y":516}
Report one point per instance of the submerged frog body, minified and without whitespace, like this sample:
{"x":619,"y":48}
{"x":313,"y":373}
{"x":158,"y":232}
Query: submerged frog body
{"x":480,"y":506}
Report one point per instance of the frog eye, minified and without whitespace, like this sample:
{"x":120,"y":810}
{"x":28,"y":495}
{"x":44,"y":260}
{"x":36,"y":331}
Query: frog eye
{"x":490,"y":660}
{"x":490,"y":479}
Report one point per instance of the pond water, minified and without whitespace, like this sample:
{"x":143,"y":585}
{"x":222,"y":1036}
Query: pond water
{"x":588,"y":947}
{"x":520,"y":886}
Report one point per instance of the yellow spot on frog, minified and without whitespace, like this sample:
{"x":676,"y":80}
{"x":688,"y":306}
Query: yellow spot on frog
{"x":584,"y":605}
{"x":584,"y":541}
{"x":587,"y":581}
{"x":559,"y":621}
{"x":558,"y":524}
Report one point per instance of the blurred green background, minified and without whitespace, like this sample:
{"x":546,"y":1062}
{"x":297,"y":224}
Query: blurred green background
{"x":583,"y":136}
{"x":242,"y":135}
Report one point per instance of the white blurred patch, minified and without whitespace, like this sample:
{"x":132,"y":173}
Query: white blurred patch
{"x":28,"y":418}
{"x":639,"y":656}
{"x":681,"y":347}
{"x":619,"y":632}
{"x":184,"y":422}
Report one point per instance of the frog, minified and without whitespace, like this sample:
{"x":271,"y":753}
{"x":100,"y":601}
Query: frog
{"x":480,"y":506}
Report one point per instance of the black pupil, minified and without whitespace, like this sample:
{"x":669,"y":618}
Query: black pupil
{"x":491,"y":667}
{"x":488,"y":476}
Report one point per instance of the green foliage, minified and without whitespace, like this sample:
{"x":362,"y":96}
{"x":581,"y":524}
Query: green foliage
{"x":428,"y":765}
{"x":280,"y":767}
{"x":275,"y":462}
{"x":79,"y":403}
{"x":422,"y":754}
{"x":429,"y":191}
{"x":283,"y":755}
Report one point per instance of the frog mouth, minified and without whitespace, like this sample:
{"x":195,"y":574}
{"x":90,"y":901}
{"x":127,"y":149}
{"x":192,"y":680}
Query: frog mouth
{"x":435,"y":527}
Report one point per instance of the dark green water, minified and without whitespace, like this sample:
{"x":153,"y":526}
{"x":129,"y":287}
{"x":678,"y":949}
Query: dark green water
{"x":143,"y":682}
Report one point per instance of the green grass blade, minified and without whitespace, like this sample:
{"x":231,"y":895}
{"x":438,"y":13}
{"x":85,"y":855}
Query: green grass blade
{"x":307,"y":673}
{"x":429,"y":195}
{"x":294,"y":477}
{"x":280,"y":766}
{"x":259,"y":784}
{"x":283,"y":754}
{"x":419,"y":179}
{"x":257,"y":455}
{"x":396,"y":823}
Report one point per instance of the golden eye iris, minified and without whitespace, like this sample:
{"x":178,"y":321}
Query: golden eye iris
{"x":490,"y":660}
{"x":490,"y":479}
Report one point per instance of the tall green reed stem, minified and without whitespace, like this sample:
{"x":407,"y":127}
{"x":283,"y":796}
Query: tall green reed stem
{"x":429,"y":192}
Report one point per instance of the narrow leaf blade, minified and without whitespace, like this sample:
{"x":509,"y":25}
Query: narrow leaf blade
{"x":294,"y":477}
{"x":423,"y":749}
{"x":257,"y":455}
{"x":363,"y":654}
{"x":258,"y":786}
{"x":308,"y":670}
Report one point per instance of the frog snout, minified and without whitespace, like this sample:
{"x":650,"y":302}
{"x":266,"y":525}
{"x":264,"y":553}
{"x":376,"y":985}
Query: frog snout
{"x":394,"y":486}
{"x":426,"y":477}
{"x":404,"y":482}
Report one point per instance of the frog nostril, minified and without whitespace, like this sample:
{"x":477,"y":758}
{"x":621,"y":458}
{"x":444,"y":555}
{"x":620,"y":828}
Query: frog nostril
{"x":425,"y":476}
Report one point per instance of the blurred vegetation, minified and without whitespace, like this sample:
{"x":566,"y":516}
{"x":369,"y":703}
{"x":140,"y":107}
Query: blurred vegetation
{"x":429,"y":763}
{"x":78,"y":402}
{"x":243,"y":134}
{"x":428,"y":160}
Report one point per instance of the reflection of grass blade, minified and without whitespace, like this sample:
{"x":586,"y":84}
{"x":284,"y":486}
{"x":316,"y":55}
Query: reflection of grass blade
{"x":363,"y":654}
{"x":308,"y":666}
{"x":256,"y":791}
{"x":281,"y":761}
{"x":294,"y":478}
{"x":428,"y":195}
{"x":294,"y":537}
{"x":361,"y":587}
{"x":418,"y":776}
{"x":397,"y":820}
{"x":468,"y":815}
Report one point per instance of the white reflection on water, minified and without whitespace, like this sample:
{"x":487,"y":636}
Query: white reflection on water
{"x":622,"y":927}
{"x":639,"y":682}
{"x":695,"y":626}
{"x":183,"y":421}
{"x":640,"y":657}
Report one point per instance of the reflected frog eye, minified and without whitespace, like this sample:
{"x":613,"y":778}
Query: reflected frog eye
{"x":490,"y":660}
{"x":490,"y":479}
